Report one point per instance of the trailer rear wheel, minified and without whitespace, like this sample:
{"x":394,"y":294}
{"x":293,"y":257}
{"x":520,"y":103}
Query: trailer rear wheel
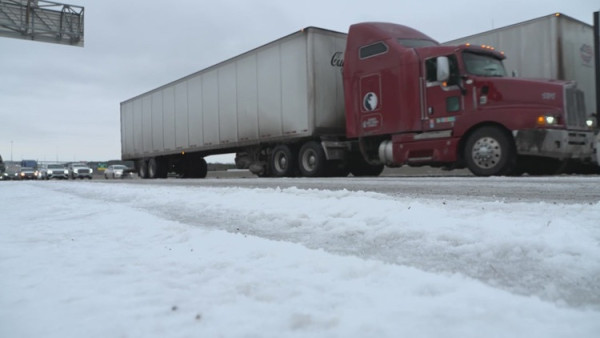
{"x":489,"y":152}
{"x":283,"y":161}
{"x":157,"y":168}
{"x":195,"y":167}
{"x":143,"y":169}
{"x":152,"y":168}
{"x":162,"y":167}
{"x":201,"y":169}
{"x":312,"y":160}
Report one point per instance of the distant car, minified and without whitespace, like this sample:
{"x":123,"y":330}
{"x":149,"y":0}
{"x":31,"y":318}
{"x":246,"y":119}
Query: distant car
{"x":117,"y":171}
{"x":80,"y":170}
{"x":27,"y":173}
{"x":11,"y":173}
{"x":51,"y":171}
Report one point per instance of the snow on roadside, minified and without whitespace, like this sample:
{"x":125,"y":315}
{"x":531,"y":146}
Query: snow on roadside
{"x":116,"y":260}
{"x":536,"y":249}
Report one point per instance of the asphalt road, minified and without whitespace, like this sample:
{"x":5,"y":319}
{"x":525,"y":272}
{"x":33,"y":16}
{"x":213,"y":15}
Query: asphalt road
{"x":418,"y":183}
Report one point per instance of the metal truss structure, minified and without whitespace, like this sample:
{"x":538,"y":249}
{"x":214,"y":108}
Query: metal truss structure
{"x":41,"y":20}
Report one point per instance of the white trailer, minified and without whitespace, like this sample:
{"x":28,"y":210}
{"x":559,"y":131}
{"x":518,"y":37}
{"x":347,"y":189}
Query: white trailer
{"x":554,"y":47}
{"x":266,"y":105}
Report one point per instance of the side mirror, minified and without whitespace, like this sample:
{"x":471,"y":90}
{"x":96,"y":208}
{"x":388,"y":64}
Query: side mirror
{"x":443,"y":69}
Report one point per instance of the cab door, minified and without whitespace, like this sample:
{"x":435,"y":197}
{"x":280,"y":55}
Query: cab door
{"x":443,"y":100}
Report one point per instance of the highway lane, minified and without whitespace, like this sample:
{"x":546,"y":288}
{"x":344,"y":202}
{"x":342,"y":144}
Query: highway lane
{"x":417,"y":184}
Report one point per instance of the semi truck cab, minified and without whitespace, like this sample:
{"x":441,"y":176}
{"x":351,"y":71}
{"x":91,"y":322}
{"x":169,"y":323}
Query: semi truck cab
{"x":411,"y":101}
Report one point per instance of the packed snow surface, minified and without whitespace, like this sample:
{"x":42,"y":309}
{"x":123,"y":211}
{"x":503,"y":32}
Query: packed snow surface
{"x":90,"y":259}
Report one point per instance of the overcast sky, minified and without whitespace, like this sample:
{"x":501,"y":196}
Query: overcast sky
{"x":62,"y":103}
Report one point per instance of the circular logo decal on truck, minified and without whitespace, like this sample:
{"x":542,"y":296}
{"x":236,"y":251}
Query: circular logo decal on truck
{"x":370,"y":101}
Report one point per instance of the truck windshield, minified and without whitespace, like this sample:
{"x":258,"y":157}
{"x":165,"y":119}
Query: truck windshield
{"x":483,"y":65}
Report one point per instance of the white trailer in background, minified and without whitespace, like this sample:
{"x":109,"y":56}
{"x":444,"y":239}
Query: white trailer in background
{"x":281,"y":95}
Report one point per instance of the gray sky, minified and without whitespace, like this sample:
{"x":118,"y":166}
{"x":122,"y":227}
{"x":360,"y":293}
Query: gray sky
{"x":62,"y":103}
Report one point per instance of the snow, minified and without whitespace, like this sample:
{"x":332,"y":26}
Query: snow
{"x":92,"y":259}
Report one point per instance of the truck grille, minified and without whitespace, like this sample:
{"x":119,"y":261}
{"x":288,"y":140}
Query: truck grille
{"x":83,"y":171}
{"x":575,"y":108}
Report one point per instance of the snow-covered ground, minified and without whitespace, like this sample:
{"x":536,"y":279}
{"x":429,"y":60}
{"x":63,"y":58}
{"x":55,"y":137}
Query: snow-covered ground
{"x":90,"y":259}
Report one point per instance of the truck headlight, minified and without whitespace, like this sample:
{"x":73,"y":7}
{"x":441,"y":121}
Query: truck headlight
{"x":547,"y":120}
{"x":590,"y":122}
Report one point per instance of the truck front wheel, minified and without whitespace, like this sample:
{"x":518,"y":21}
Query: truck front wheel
{"x":283,"y":161}
{"x":490,"y":151}
{"x":312,"y":160}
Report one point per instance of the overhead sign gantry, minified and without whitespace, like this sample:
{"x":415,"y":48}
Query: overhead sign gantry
{"x":41,"y":20}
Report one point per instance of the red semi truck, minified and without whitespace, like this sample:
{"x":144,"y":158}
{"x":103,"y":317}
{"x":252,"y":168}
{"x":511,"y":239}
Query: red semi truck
{"x":322,"y":103}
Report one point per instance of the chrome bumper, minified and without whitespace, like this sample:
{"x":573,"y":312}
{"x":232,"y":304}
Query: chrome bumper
{"x":556,"y":143}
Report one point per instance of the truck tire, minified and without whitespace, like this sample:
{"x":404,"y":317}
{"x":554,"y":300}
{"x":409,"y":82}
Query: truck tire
{"x":311,"y":159}
{"x":195,"y":167}
{"x":490,"y":151}
{"x":152,"y":168}
{"x":283,"y":161}
{"x":143,"y":169}
{"x":202,"y":168}
{"x":162,"y":168}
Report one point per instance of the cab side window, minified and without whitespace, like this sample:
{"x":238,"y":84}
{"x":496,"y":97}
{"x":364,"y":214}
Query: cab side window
{"x":372,"y":50}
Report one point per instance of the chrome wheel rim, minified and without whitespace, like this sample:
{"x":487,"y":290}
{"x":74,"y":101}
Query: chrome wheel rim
{"x":309,"y":160}
{"x":486,"y":153}
{"x":281,"y":162}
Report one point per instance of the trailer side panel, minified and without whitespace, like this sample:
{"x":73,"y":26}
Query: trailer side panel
{"x":280,"y":92}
